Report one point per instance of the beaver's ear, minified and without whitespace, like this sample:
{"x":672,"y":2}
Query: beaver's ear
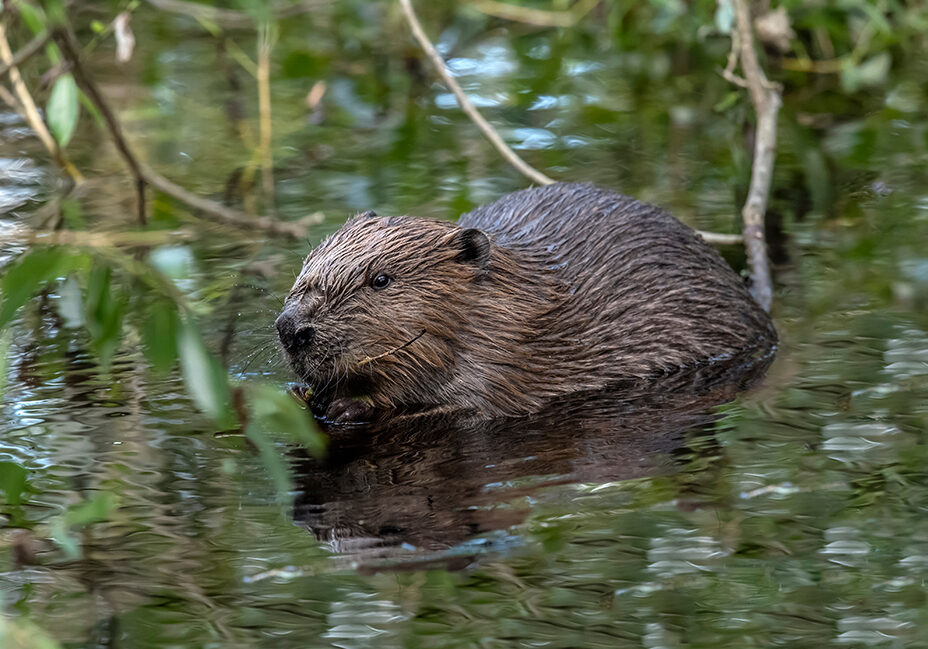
{"x":473,"y":247}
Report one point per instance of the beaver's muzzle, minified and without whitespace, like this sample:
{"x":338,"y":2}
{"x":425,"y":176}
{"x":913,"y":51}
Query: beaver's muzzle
{"x":295,"y":334}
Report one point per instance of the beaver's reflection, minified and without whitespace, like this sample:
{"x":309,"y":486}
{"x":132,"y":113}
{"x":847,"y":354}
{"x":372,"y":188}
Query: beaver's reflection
{"x":404,"y":492}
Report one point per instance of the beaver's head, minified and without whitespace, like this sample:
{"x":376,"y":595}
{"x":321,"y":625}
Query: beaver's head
{"x":375,"y":311}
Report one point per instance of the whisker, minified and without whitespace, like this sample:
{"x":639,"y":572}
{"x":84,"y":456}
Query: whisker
{"x":258,"y":335}
{"x":389,"y":352}
{"x":262,"y":352}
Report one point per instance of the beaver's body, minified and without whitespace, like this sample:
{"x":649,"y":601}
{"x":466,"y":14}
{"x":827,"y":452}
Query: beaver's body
{"x":545,"y":292}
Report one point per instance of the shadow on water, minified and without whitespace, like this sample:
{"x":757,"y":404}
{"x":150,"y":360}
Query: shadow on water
{"x":412,"y":492}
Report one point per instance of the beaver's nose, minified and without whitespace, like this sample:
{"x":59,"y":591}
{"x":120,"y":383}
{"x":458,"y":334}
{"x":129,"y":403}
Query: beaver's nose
{"x":294,"y":335}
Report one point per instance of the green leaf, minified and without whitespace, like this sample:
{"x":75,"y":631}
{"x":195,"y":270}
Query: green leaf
{"x":875,"y":70}
{"x":275,"y":411}
{"x":159,"y":335}
{"x":63,"y":109}
{"x":68,"y":542}
{"x":729,"y":100}
{"x":206,"y":380}
{"x":5,"y":337}
{"x":271,"y":458}
{"x":103,"y":311}
{"x":271,"y":412}
{"x":33,"y":16}
{"x":72,"y":214}
{"x":55,"y":11}
{"x":260,"y":10}
{"x":13,"y":482}
{"x":38,"y":22}
{"x":22,"y":634}
{"x":27,"y":275}
{"x":98,"y":508}
{"x":93,"y":110}
{"x":872,"y":72}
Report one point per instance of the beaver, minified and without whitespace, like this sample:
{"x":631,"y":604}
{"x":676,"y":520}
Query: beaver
{"x":547,"y":291}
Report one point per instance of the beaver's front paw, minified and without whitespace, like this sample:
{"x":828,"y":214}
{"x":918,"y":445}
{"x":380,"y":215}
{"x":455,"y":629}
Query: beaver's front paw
{"x":349,"y":411}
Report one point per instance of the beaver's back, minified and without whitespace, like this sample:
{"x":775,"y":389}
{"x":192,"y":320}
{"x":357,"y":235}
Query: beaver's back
{"x":643,"y":285}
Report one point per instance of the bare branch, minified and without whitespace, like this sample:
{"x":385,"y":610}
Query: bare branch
{"x":230,"y":18}
{"x":227,"y":215}
{"x":25,"y":53}
{"x":765,"y":96}
{"x":834,"y":65}
{"x":68,"y":49}
{"x":753,"y":73}
{"x":7,"y":97}
{"x":729,"y":72}
{"x":29,"y":110}
{"x":465,"y":103}
{"x":103,"y":239}
{"x":536,"y":17}
{"x":829,"y":66}
{"x":145,"y":175}
{"x":265,"y":46}
{"x":720,"y":238}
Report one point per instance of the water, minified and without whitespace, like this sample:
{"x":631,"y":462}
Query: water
{"x":793,"y":516}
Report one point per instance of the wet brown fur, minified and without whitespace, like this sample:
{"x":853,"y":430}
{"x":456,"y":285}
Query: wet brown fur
{"x":579,"y":288}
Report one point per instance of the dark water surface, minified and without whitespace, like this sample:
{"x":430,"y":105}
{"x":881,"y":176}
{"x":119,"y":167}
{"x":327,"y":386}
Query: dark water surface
{"x":795,"y":516}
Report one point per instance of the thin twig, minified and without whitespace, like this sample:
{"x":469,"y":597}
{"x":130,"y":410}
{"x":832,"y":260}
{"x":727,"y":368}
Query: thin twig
{"x":492,"y":135}
{"x":465,"y":103}
{"x":834,"y":65}
{"x":64,"y":39}
{"x":720,"y":238}
{"x":536,"y":17}
{"x":264,"y":115}
{"x":729,"y":72}
{"x":829,"y":66}
{"x":7,"y":97}
{"x":30,"y":112}
{"x":25,"y":53}
{"x":145,"y":175}
{"x":230,"y":18}
{"x":103,"y":239}
{"x":765,"y":96}
{"x":227,"y":215}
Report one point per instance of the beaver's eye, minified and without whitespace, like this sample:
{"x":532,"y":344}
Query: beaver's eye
{"x":380,"y":281}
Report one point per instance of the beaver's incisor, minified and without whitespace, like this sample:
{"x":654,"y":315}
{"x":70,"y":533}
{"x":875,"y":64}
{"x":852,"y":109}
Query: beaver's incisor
{"x":546,"y":292}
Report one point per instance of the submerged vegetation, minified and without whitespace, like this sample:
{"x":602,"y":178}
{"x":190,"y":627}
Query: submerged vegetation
{"x":163,"y":165}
